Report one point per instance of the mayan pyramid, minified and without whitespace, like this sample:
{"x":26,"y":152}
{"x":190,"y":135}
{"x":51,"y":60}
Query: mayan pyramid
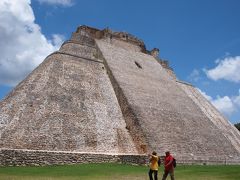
{"x":103,"y":91}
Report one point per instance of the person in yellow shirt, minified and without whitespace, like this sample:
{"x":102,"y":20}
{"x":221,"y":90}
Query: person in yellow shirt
{"x":153,"y":159}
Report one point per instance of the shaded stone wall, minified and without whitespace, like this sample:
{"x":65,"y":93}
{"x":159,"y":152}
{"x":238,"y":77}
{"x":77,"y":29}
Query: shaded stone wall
{"x":14,"y":157}
{"x":17,"y":157}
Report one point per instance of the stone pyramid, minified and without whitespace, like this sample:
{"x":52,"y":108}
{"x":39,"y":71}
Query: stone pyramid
{"x":104,"y":92}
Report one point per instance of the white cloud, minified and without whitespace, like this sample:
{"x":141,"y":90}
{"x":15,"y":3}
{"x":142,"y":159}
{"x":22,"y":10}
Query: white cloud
{"x":22,"y":45}
{"x":57,"y":39}
{"x":57,"y":2}
{"x":227,"y":68}
{"x":236,"y":99}
{"x":224,"y":105}
{"x":194,"y":76}
{"x":227,"y":105}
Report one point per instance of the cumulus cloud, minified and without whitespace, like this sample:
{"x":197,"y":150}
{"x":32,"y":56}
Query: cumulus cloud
{"x":237,"y":99}
{"x":194,"y":76}
{"x":227,"y":68}
{"x":227,"y":105}
{"x":57,"y":2}
{"x":224,"y":105}
{"x":22,"y":45}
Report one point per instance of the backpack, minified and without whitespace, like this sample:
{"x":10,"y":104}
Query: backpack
{"x":159,"y":161}
{"x":174,"y":162}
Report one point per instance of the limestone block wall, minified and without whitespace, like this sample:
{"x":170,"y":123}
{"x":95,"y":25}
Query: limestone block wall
{"x":76,"y":48}
{"x":165,"y":65}
{"x":16,"y":157}
{"x":23,"y":157}
{"x":167,"y":117}
{"x":83,"y":38}
{"x":228,"y":130}
{"x":125,"y":45}
{"x":65,"y":104}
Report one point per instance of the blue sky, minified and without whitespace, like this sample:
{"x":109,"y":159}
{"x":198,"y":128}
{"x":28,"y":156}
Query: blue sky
{"x":200,"y":39}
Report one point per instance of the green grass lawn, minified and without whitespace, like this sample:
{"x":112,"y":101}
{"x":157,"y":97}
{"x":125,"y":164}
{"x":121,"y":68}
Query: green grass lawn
{"x":115,"y":171}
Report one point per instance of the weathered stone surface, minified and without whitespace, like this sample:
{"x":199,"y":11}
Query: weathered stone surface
{"x":167,"y":116}
{"x":16,"y":157}
{"x":223,"y":125}
{"x":66,"y":104}
{"x":103,"y":92}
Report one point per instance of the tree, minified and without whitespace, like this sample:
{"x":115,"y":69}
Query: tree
{"x":237,"y":126}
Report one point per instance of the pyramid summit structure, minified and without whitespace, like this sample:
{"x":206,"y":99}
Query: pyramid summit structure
{"x":104,"y":93}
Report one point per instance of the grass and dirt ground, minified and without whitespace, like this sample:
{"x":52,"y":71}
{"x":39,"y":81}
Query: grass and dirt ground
{"x":116,"y":172}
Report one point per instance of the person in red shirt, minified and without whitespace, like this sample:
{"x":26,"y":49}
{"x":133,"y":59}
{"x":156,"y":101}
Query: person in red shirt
{"x":168,"y":166}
